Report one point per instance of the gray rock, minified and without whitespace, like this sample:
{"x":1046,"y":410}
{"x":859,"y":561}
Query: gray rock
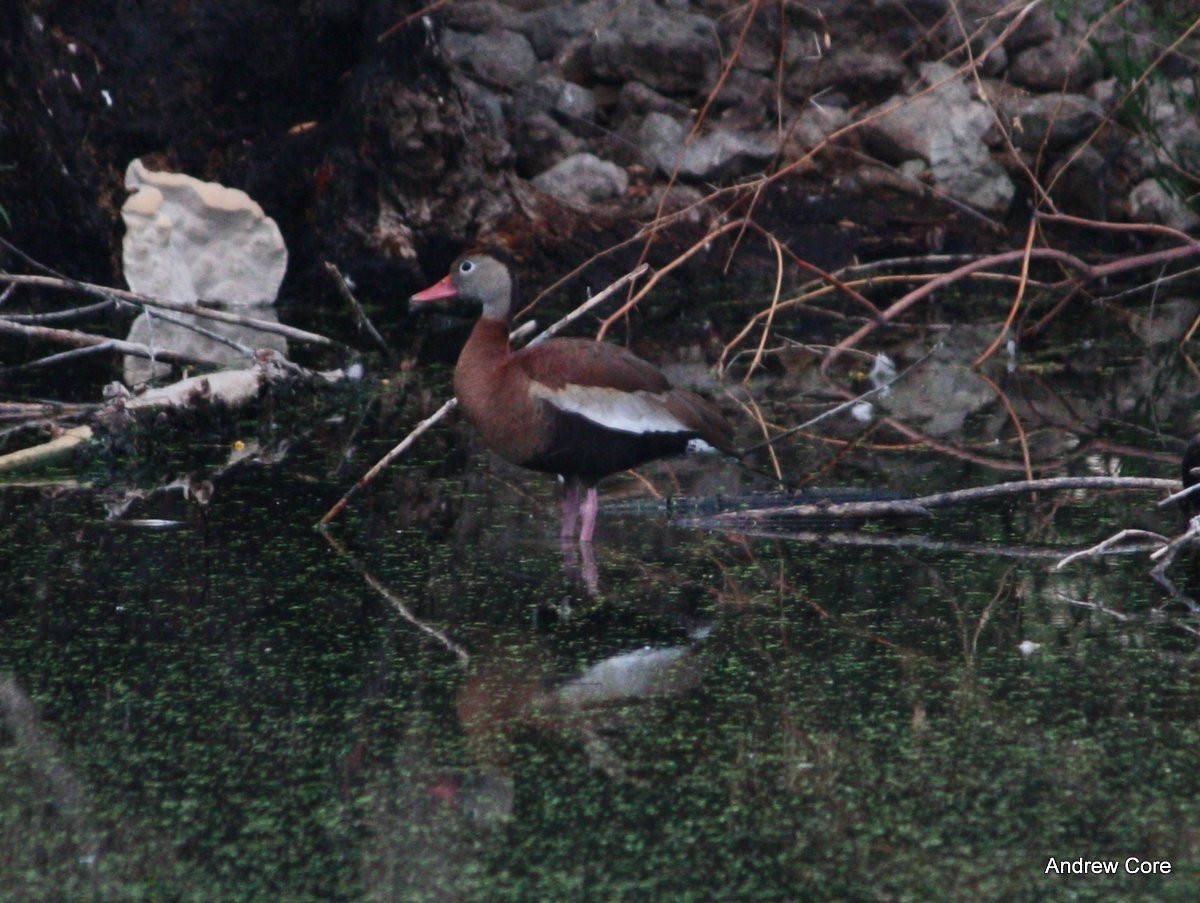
{"x":744,"y":100}
{"x":982,"y":34}
{"x":1079,"y":182}
{"x":712,"y":155}
{"x":858,"y":72}
{"x":1172,"y":144}
{"x":680,"y":197}
{"x":160,"y":335}
{"x":661,"y":139}
{"x":583,"y":179}
{"x":637,"y":99}
{"x":487,"y":104}
{"x":1054,"y":66}
{"x":499,"y":58}
{"x":1054,"y":119}
{"x":743,"y":87}
{"x":1038,"y":27}
{"x":540,"y":141}
{"x":945,"y":127}
{"x":938,"y":396}
{"x":914,"y":126}
{"x":575,"y":103}
{"x":1176,"y":126}
{"x":551,"y":28}
{"x":1151,"y":202}
{"x":816,"y":123}
{"x":476,"y":15}
{"x":1169,"y":322}
{"x":550,"y":93}
{"x":672,"y":52}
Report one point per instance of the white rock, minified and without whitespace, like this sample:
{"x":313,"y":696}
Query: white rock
{"x":188,"y":241}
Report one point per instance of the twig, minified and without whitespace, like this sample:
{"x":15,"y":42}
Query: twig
{"x":1096,"y":606}
{"x":1003,"y":333}
{"x":903,"y":541}
{"x":555,"y":328}
{"x":1102,"y":547}
{"x":1166,"y":556}
{"x":766,"y":332}
{"x":679,"y":261}
{"x":846,"y":405}
{"x":1022,"y":439}
{"x":750,"y":406}
{"x":369,"y":477}
{"x":85,"y":339}
{"x":410,"y":18}
{"x":59,"y":358}
{"x":399,"y":604}
{"x":54,"y":449}
{"x":241,"y":348}
{"x":73,"y":313}
{"x":127,"y":297}
{"x":1086,"y":272}
{"x":1179,"y":496}
{"x":361,"y":320}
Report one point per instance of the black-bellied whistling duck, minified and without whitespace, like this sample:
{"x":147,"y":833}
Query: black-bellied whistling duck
{"x":574,"y":407}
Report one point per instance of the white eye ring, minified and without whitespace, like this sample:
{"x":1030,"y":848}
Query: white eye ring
{"x":466,"y":266}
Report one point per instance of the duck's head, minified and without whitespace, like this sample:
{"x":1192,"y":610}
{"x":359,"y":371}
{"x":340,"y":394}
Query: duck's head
{"x":477,"y":276}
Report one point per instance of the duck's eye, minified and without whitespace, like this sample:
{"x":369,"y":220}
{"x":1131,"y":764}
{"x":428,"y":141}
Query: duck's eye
{"x":466,"y":266}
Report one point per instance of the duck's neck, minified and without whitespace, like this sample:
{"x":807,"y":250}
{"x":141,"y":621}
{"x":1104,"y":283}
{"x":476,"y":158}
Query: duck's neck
{"x":485,"y":351}
{"x":487,"y":344}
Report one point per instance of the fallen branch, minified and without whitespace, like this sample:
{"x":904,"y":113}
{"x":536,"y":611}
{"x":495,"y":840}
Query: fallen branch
{"x":922,"y":505}
{"x":78,"y":339}
{"x":46,"y":453}
{"x":1101,"y":547}
{"x":60,"y":357}
{"x":121,"y":296}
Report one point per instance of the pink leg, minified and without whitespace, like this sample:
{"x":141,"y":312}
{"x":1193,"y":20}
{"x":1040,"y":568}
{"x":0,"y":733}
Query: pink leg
{"x":570,"y":511}
{"x":591,"y":507}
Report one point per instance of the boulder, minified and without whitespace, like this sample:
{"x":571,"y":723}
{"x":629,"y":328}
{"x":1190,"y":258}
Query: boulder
{"x":498,"y":57}
{"x":1153,"y":202}
{"x":946,"y":128}
{"x":188,"y":241}
{"x":1055,"y":120}
{"x":671,"y":51}
{"x":1057,"y":65}
{"x":710,"y":155}
{"x":583,"y":179}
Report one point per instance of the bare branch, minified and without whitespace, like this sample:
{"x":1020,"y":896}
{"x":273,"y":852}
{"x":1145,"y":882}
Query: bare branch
{"x":127,"y":297}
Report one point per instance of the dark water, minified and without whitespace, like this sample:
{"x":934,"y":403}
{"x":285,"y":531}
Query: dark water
{"x":227,"y":707}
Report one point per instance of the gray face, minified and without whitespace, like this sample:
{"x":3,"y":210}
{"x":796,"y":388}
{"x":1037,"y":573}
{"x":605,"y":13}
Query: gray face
{"x":481,"y":278}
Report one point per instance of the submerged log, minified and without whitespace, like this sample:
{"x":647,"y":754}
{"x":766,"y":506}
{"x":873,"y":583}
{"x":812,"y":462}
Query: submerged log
{"x":48,"y":453}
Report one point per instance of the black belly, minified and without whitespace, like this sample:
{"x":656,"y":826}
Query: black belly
{"x":580,"y":448}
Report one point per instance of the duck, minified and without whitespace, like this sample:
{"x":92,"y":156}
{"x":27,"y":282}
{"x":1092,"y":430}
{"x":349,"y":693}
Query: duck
{"x":577,"y":408}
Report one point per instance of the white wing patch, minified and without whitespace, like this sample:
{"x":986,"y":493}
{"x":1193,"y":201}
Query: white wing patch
{"x":630,"y":412}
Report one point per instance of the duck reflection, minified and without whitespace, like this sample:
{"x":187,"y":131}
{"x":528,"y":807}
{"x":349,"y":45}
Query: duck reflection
{"x":514,"y":685}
